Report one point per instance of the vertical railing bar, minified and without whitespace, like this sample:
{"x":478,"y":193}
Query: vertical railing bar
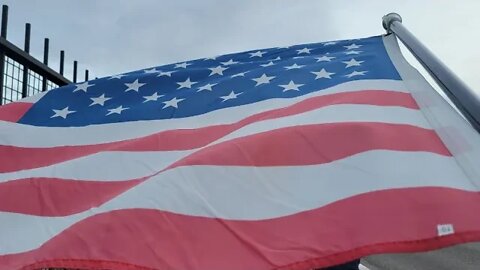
{"x":62,"y":61}
{"x":45,"y":61}
{"x":3,"y":34}
{"x":26,"y":48}
{"x":75,"y":64}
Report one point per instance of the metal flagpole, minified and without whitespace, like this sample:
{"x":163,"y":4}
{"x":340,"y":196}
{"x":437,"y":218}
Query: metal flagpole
{"x":467,"y":102}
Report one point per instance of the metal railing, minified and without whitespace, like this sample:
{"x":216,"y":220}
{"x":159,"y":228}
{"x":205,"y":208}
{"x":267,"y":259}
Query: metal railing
{"x":21,"y":75}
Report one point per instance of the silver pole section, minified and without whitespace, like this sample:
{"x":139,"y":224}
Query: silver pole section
{"x":467,"y":102}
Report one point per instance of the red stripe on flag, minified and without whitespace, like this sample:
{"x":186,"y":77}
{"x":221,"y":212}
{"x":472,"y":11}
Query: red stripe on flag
{"x":13,"y":112}
{"x":20,"y":158}
{"x":316,"y":144}
{"x":136,"y":238}
{"x":58,"y":197}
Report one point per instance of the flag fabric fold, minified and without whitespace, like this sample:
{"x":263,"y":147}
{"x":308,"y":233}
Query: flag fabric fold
{"x":294,"y":157}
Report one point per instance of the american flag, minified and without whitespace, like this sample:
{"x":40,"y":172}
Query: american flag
{"x":294,"y":157}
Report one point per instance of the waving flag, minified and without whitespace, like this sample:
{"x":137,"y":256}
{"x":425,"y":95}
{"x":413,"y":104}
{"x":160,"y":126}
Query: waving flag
{"x":297,"y":157}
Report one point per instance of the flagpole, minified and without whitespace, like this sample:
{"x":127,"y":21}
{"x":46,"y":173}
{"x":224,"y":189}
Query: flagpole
{"x":467,"y":102}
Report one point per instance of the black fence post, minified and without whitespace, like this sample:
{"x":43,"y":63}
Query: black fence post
{"x":25,"y":68}
{"x":75,"y":63}
{"x":62,"y":61}
{"x":45,"y":61}
{"x":3,"y":34}
{"x":4,"y":21}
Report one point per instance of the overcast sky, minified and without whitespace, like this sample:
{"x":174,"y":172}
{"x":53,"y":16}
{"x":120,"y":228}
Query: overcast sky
{"x":115,"y":36}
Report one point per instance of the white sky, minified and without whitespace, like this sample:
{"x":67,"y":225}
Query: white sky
{"x":115,"y":36}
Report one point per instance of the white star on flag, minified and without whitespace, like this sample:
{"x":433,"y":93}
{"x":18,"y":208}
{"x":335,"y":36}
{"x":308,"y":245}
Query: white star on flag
{"x":172,"y":103}
{"x":304,"y":50}
{"x":119,"y":76}
{"x":323,"y":74}
{"x":63,"y":113}
{"x":291,"y":86}
{"x":241,"y":74}
{"x":165,"y":73}
{"x":186,"y":84}
{"x":352,"y":52}
{"x":329,"y":43}
{"x":152,"y":97}
{"x":352,"y":63}
{"x":99,"y":100}
{"x":324,"y":58}
{"x":134,"y":86}
{"x":150,"y":71}
{"x":232,"y":95}
{"x":356,"y":73}
{"x":207,"y":87}
{"x":117,"y":110}
{"x":82,"y":87}
{"x":182,"y":65}
{"x":300,"y":57}
{"x":268,"y":64}
{"x":264,"y":79}
{"x":217,"y":70}
{"x":257,"y":54}
{"x":353,"y":46}
{"x":294,"y":66}
{"x":229,"y":62}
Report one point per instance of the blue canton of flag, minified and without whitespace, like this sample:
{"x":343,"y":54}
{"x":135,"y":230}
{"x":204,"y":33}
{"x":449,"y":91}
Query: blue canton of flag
{"x":203,"y":85}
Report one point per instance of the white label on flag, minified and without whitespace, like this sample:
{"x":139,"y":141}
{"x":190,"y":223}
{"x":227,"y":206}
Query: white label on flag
{"x":445,"y":229}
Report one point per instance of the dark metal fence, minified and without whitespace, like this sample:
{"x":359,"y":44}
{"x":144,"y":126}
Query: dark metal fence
{"x":21,"y":75}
